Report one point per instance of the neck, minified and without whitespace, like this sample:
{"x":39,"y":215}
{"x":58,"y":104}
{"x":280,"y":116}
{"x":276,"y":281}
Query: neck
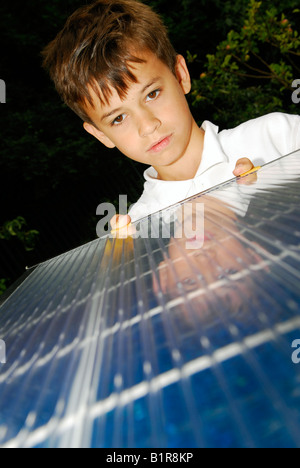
{"x":186,"y":166}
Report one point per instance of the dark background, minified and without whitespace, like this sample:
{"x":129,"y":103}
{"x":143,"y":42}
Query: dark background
{"x":52,"y":172}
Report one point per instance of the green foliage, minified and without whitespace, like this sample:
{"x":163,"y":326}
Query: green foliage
{"x":17,"y":228}
{"x":2,"y":286}
{"x":252,"y":71}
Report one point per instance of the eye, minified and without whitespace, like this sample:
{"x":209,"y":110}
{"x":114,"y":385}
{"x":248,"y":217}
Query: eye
{"x":231,"y":271}
{"x":188,"y":283}
{"x":118,"y":120}
{"x":227,"y":272}
{"x":153,"y":95}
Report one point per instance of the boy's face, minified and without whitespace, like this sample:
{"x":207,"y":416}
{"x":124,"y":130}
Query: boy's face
{"x":220,"y":252}
{"x":152,"y":124}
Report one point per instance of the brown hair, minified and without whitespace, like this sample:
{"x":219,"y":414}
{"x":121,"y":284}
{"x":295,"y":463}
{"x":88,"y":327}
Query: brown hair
{"x":96,"y":44}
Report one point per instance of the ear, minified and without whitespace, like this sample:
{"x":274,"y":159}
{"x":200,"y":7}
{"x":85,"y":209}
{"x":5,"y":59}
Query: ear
{"x":99,"y":135}
{"x":182,"y":74}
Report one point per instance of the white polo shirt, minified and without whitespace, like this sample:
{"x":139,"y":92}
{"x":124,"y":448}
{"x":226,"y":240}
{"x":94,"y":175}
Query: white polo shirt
{"x":261,"y":140}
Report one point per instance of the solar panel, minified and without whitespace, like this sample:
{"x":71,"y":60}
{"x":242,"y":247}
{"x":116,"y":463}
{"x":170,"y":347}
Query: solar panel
{"x":185,"y":334}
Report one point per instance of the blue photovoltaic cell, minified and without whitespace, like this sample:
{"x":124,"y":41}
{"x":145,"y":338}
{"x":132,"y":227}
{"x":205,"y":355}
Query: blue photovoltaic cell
{"x":178,"y":336}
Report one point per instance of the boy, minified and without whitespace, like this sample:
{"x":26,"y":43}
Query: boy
{"x":114,"y":66}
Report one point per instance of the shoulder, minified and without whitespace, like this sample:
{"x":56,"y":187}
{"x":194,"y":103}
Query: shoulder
{"x":267,"y":137}
{"x":275,"y":121}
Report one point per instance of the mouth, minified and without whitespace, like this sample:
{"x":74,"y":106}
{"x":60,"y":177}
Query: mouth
{"x":198,"y":239}
{"x":197,"y":242}
{"x":206,"y":237}
{"x":160,"y":144}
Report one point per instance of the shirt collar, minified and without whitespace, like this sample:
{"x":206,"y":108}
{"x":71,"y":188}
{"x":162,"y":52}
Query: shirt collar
{"x":212,"y":149}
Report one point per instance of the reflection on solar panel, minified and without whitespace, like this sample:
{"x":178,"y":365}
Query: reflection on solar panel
{"x":165,"y":340}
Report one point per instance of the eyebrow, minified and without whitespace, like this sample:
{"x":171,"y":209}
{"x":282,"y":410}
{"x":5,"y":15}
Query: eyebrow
{"x":108,"y":114}
{"x":150,"y":84}
{"x":119,"y":109}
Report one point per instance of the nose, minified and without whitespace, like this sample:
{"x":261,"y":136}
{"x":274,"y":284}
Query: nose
{"x":147,"y":122}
